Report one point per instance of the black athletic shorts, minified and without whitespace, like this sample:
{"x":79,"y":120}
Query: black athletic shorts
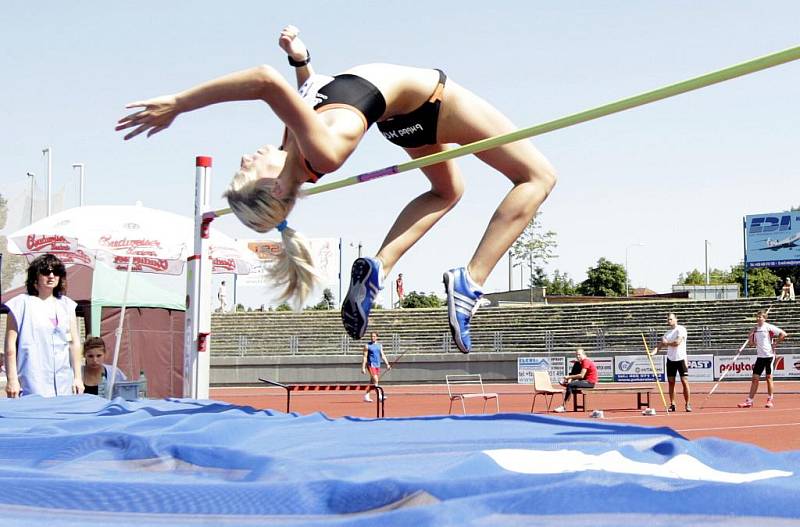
{"x":763,"y":365}
{"x":675,"y":366}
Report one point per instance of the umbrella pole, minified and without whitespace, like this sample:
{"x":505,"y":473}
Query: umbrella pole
{"x":118,"y":333}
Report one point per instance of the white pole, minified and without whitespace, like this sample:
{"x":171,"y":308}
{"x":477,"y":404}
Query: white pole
{"x":49,"y":152}
{"x":510,"y":263}
{"x":110,"y":390}
{"x":33,"y":177}
{"x":626,"y":264}
{"x":626,"y":271}
{"x":708,"y":280}
{"x":340,"y":272}
{"x":196,"y":363}
{"x":82,"y":181}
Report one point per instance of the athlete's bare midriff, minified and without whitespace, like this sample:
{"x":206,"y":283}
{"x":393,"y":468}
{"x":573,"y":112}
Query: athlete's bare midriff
{"x":404,"y":88}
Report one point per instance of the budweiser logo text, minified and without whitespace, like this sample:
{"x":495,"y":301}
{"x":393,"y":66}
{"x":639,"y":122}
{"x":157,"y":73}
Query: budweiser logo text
{"x":141,"y":262}
{"x":126,"y":243}
{"x":53,"y":242}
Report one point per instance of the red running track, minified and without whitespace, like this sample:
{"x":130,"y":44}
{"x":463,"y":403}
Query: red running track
{"x":776,"y":429}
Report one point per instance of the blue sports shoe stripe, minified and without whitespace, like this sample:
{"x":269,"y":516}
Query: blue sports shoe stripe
{"x":462,"y":303}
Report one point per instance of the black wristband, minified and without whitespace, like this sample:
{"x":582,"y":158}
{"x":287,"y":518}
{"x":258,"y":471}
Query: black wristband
{"x":299,"y":63}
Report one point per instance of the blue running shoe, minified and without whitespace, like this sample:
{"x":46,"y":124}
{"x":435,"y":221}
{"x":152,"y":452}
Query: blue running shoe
{"x":463,"y":300}
{"x":365,"y":282}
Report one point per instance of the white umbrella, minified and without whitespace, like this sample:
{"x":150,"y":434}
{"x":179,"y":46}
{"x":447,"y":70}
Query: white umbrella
{"x":131,"y":238}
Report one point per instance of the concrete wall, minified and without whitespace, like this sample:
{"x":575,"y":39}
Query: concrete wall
{"x":332,"y":369}
{"x":412,"y":369}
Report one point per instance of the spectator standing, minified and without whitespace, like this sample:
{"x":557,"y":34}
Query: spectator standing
{"x":674,"y":341}
{"x":398,"y":284}
{"x":765,"y":337}
{"x":373,"y":354}
{"x":222,"y":296}
{"x":43,"y":347}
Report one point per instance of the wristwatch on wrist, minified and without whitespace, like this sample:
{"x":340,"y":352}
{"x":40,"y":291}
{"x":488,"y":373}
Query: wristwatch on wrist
{"x":300,"y":63}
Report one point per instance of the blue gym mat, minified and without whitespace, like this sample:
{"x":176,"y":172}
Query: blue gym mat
{"x":78,"y":461}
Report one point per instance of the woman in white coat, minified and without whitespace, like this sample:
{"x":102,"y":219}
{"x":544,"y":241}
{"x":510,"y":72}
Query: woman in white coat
{"x":43,"y":350}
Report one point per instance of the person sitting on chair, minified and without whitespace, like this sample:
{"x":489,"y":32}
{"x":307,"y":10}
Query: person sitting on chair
{"x":787,"y":291}
{"x":586,"y":377}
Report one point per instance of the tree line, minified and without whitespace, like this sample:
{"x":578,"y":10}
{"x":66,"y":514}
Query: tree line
{"x":534,"y":249}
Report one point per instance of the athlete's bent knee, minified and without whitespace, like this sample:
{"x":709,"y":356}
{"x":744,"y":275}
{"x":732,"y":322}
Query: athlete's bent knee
{"x":450,"y":195}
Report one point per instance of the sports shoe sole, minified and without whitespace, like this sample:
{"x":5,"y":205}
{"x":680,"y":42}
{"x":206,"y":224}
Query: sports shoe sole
{"x":354,"y":319}
{"x":452,"y":320}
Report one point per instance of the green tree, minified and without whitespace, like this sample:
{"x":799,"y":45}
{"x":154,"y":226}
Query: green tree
{"x":606,"y":279}
{"x":13,"y":264}
{"x":326,"y":303}
{"x":538,"y":278}
{"x":696,"y":277}
{"x":760,"y":280}
{"x":534,"y":247}
{"x":560,"y":284}
{"x":414,"y":299}
{"x":284,"y":307}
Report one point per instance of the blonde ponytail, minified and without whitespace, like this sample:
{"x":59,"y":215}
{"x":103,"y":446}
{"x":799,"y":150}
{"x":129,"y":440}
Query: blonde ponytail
{"x":251,"y":200}
{"x":295,"y":268}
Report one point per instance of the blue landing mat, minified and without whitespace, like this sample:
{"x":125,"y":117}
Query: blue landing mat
{"x":82,"y":461}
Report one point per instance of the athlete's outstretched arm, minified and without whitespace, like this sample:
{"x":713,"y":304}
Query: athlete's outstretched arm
{"x":295,"y":48}
{"x":323,"y":146}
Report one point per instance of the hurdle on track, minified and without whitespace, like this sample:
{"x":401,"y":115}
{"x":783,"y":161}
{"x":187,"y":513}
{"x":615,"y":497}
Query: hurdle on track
{"x":380,"y":401}
{"x":198,"y":312}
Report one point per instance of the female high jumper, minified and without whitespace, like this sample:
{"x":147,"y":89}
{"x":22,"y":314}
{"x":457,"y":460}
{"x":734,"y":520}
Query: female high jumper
{"x":418,"y":109}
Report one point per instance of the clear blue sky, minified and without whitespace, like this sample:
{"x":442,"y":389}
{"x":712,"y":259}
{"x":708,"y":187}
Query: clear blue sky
{"x":668,"y":175}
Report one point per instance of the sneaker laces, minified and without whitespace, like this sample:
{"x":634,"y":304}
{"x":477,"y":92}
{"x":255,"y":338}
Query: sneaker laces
{"x":479,"y":302}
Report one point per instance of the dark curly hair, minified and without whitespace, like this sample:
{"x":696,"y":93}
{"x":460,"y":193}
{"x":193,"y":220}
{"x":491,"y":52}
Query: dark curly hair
{"x":44,"y":264}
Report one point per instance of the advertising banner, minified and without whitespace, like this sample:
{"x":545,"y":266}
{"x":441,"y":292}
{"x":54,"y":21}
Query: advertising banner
{"x":555,"y":366}
{"x":636,"y":368}
{"x":325,"y":252}
{"x":701,"y":367}
{"x":605,"y":368}
{"x":791,"y":365}
{"x":783,"y":367}
{"x":773,"y":239}
{"x":741,"y":369}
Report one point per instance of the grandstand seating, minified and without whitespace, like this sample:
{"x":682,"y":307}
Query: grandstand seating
{"x":607,"y":327}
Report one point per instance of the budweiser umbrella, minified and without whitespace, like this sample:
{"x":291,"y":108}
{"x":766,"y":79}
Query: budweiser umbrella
{"x":130,"y":238}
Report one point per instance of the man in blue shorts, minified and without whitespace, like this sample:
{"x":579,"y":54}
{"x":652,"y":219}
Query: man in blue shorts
{"x":373,"y":354}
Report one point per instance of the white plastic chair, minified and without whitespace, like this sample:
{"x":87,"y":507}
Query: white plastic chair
{"x":468,"y":386}
{"x":543,"y":386}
